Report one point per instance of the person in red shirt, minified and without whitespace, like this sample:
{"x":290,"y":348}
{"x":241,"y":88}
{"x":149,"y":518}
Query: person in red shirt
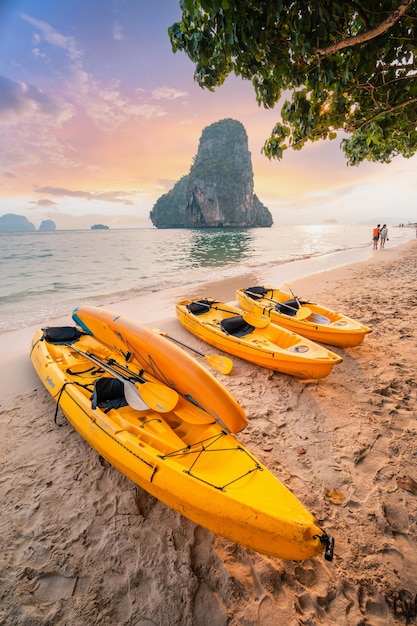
{"x":375,"y":236}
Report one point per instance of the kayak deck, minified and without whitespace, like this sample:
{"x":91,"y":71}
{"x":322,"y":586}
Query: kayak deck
{"x":270,"y":346}
{"x":182,"y":456}
{"x":322,"y":324}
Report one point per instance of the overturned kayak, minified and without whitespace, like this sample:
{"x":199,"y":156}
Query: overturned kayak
{"x":172,"y":448}
{"x":164,"y":360}
{"x":255,"y":339}
{"x":314,"y":321}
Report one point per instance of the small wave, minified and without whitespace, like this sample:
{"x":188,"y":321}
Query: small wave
{"x":51,"y":280}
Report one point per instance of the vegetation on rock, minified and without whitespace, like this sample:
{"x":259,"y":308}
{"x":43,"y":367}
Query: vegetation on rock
{"x":218,"y":191}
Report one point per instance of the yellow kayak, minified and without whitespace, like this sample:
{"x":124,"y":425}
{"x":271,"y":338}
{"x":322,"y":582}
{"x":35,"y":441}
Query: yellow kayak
{"x":167,"y":362}
{"x":318,"y":323}
{"x":172,"y":448}
{"x":255,"y":338}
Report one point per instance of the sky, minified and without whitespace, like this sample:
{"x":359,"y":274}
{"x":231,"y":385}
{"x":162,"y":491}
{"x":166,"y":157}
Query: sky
{"x":99,"y":118}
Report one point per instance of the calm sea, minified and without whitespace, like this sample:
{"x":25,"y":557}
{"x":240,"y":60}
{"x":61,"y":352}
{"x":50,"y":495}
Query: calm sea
{"x":47,"y":274}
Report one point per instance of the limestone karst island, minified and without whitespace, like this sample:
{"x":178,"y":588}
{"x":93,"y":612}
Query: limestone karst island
{"x":218,"y":191}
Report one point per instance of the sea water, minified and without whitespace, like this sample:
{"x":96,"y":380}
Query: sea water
{"x":47,"y":274}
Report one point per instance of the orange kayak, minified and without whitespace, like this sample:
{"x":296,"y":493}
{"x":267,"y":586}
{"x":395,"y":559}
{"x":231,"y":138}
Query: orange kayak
{"x":157,"y":355}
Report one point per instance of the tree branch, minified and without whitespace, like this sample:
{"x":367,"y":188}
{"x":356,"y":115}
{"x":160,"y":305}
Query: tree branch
{"x":370,"y":34}
{"x":392,"y":109}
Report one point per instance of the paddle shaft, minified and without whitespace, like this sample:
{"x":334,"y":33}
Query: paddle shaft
{"x":135,"y":400}
{"x":251,"y":293}
{"x":293,"y":295}
{"x":180,"y":343}
{"x":301,"y":313}
{"x":220,"y":363}
{"x":155,"y":396}
{"x":225,"y":310}
{"x":253,"y":320}
{"x":110,"y":368}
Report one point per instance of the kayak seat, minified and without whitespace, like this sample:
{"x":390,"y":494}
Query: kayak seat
{"x":61,"y":334}
{"x":289,"y":307}
{"x":236,"y":326}
{"x":256,"y":292}
{"x":108,"y":394}
{"x":199,"y":307}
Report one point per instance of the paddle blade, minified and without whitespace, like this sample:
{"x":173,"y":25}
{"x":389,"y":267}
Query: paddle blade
{"x":133,"y":398}
{"x":303,"y":313}
{"x":259,"y":321}
{"x":220,"y":363}
{"x":158,"y":397}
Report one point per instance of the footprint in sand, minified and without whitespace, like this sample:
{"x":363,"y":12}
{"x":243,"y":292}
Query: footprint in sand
{"x":52,"y":587}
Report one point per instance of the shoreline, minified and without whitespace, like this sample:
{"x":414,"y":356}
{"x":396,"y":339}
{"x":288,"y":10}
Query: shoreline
{"x":45,"y":294}
{"x":82,"y":544}
{"x":15,"y":344}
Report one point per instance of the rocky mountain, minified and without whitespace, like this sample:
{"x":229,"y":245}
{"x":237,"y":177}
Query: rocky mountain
{"x":15,"y":223}
{"x":218,"y":191}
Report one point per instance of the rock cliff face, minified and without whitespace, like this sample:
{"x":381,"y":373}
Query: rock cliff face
{"x":218,"y":191}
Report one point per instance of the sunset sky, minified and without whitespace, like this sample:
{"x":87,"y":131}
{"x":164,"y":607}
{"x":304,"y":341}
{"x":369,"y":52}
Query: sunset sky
{"x":98,"y":118}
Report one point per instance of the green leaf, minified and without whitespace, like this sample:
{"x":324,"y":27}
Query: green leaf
{"x":371,"y":85}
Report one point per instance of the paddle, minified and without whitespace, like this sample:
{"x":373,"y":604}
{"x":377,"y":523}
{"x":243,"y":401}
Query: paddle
{"x":220,"y":363}
{"x":301,"y":313}
{"x":185,"y":414}
{"x":294,"y":296}
{"x":259,"y":321}
{"x":149,"y":395}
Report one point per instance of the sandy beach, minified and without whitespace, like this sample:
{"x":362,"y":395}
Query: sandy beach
{"x":83,"y":545}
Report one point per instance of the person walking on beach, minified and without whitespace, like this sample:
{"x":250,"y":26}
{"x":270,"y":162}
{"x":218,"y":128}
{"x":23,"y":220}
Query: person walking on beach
{"x":383,"y":235}
{"x":375,"y":236}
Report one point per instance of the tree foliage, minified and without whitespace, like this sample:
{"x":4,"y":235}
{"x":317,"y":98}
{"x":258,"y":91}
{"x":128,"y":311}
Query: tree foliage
{"x":343,"y":66}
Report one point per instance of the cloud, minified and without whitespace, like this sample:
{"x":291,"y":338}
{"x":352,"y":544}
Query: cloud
{"x":109,"y":109}
{"x":117,"y":32}
{"x":20,"y":100}
{"x":168,"y":93}
{"x":54,"y":38}
{"x":119,"y":197}
{"x":104,"y":103}
{"x":44,"y":203}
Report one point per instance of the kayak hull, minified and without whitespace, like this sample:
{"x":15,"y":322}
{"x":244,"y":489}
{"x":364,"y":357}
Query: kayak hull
{"x":323,"y":325}
{"x":183,"y":457}
{"x":272,"y":347}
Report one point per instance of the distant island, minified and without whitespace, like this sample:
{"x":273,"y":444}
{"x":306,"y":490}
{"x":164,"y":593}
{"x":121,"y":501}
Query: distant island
{"x":12,"y":223}
{"x":15,"y":223}
{"x":218,"y":191}
{"x":47,"y":225}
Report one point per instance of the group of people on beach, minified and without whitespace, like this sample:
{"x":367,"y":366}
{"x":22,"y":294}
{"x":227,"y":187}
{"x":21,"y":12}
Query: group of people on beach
{"x":380,"y":234}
